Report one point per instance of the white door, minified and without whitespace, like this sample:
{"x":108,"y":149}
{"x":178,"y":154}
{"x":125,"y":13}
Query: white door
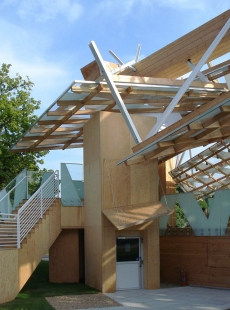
{"x":128,"y":267}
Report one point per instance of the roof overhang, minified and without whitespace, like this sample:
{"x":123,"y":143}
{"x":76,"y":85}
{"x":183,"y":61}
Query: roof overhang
{"x":61,"y":125}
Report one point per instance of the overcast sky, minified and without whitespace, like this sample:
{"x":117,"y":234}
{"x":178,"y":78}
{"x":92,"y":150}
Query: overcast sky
{"x":48,"y":39}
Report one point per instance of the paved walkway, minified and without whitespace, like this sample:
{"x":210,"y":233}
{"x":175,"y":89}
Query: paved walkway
{"x":184,"y":298}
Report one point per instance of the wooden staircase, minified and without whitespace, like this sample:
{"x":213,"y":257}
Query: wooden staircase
{"x":17,"y":265}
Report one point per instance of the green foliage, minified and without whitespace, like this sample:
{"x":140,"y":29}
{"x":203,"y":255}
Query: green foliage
{"x":32,"y":296}
{"x":181,"y":220}
{"x":35,"y":180}
{"x":16,"y":116}
{"x":203,"y":204}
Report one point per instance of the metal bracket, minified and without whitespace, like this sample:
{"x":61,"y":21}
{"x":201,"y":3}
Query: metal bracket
{"x":189,"y":80}
{"x":129,"y":65}
{"x":202,"y":77}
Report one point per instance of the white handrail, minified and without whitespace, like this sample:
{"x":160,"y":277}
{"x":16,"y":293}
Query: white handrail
{"x":30,"y":213}
{"x":40,"y":188}
{"x":15,"y":227}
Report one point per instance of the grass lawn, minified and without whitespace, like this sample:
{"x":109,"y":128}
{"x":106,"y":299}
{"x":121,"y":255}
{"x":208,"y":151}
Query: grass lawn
{"x":32,"y":296}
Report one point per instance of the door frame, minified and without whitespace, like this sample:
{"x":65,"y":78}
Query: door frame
{"x":141,"y":273}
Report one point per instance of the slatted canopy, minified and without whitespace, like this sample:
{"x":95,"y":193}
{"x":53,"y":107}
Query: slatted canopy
{"x":206,"y":172}
{"x":200,"y":117}
{"x":61,"y":126}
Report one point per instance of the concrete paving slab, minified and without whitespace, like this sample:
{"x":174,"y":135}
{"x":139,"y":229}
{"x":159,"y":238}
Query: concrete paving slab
{"x":181,"y":298}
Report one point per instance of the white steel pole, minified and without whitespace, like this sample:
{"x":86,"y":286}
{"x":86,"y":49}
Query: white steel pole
{"x":18,"y":231}
{"x":41,"y":203}
{"x":114,"y":92}
{"x":57,"y":184}
{"x":8,"y":204}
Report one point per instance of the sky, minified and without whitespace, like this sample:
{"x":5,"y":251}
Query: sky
{"x":47,"y":40}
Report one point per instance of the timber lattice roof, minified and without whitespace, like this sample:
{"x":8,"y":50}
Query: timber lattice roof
{"x":200,"y":117}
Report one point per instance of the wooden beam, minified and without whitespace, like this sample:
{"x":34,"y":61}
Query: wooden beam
{"x":214,"y":119}
{"x":195,"y":126}
{"x":170,"y":61}
{"x":69,"y":121}
{"x":73,"y":140}
{"x":223,"y":73}
{"x":91,"y":71}
{"x":203,"y":135}
{"x":165,"y":144}
{"x":166,"y":82}
{"x":225,"y":108}
{"x":158,"y":152}
{"x":216,"y":67}
{"x":135,"y":160}
{"x":186,"y":136}
{"x":52,"y":136}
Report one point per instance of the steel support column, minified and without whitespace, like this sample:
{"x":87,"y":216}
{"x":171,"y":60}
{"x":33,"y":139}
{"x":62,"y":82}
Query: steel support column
{"x":114,"y":92}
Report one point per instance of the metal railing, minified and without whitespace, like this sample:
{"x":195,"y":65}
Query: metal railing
{"x":15,"y":227}
{"x":30,"y":213}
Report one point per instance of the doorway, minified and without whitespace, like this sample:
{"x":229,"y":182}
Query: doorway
{"x":128,"y":263}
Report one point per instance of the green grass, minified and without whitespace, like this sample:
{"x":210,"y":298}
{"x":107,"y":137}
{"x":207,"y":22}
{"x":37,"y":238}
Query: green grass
{"x":32,"y":296}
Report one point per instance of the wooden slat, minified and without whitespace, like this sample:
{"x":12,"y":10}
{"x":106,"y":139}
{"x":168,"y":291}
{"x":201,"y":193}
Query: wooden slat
{"x":74,"y":140}
{"x":66,"y":117}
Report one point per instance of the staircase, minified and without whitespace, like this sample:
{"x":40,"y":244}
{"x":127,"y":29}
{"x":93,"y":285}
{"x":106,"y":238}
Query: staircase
{"x":26,"y":235}
{"x":8,"y":229}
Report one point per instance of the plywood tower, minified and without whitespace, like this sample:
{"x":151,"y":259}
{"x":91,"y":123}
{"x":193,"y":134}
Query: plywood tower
{"x":107,"y":140}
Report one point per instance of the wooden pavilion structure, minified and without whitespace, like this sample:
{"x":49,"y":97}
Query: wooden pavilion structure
{"x":129,"y":119}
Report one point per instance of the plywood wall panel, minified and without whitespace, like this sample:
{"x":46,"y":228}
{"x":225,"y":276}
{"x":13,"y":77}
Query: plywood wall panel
{"x":54,"y":221}
{"x":151,"y":256}
{"x":8,"y":275}
{"x":93,"y":256}
{"x":116,"y":185}
{"x":72,"y":217}
{"x":64,"y":257}
{"x":39,"y":242}
{"x":144,"y":182}
{"x":92,"y":145}
{"x":92,"y":203}
{"x":109,"y":259}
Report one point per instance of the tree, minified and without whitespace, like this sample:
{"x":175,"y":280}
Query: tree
{"x":181,"y":220}
{"x":16,"y":116}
